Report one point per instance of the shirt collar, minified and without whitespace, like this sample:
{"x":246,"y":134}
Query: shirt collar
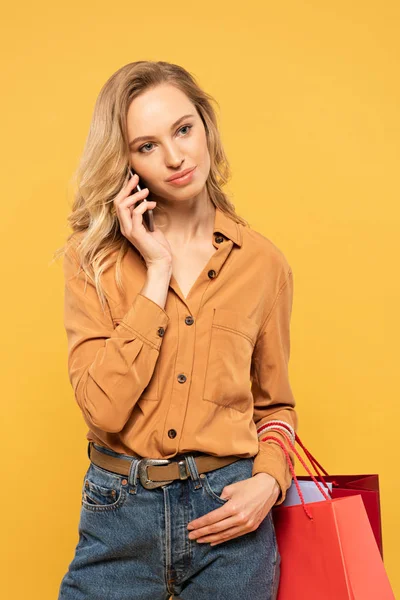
{"x":225,"y":225}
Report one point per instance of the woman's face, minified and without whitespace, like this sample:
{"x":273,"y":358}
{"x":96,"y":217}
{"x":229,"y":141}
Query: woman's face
{"x":166,"y":148}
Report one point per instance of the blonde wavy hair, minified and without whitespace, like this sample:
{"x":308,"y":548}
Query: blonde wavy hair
{"x":103,"y":167}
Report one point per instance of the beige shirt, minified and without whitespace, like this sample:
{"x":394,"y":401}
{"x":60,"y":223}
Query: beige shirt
{"x":200,"y":375}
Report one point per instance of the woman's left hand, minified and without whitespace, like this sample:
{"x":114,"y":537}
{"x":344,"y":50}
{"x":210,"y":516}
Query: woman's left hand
{"x":249,"y":502}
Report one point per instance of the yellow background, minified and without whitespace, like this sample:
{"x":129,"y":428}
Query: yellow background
{"x":309,"y":97}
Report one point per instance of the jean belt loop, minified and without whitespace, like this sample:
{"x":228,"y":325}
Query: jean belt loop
{"x":133,"y":474}
{"x":192,"y":468}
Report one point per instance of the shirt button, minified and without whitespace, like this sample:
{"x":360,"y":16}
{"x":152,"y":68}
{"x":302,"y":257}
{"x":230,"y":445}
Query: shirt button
{"x":171,"y":433}
{"x":211,"y":274}
{"x":181,"y":378}
{"x":161,"y":331}
{"x":189,"y":320}
{"x":219,"y":239}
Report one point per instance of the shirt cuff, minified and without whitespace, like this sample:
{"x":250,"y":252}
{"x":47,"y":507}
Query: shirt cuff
{"x":146,"y":319}
{"x":271,"y":459}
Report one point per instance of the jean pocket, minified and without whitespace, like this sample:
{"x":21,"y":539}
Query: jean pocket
{"x":215,"y":481}
{"x":215,"y":494}
{"x":102,"y":490}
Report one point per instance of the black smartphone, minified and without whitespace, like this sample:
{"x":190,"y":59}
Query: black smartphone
{"x":148,"y":214}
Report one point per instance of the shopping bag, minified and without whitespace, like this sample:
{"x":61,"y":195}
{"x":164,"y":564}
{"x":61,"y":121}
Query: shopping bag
{"x":349,"y":485}
{"x":309,"y":490}
{"x":328,"y":549}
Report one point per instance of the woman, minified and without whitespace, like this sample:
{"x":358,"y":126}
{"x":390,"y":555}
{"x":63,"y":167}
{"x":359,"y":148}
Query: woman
{"x":178,"y":348}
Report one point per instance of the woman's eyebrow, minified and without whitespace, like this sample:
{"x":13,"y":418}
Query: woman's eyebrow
{"x":146,"y":137}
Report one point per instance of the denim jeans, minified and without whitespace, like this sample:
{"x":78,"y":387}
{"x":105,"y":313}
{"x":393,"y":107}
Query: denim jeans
{"x":134,"y":545}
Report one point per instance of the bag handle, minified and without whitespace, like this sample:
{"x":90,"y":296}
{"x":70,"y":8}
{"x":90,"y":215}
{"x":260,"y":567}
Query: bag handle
{"x":314,"y":461}
{"x":311,"y":458}
{"x":271,"y":437}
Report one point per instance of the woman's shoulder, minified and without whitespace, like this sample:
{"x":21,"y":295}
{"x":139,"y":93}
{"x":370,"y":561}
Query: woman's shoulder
{"x":266,"y":248}
{"x":77,"y":262}
{"x":73,"y":241}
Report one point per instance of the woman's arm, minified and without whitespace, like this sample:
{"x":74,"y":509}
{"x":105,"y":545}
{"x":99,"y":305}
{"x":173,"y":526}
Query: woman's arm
{"x":272,"y":393}
{"x":109,"y":367}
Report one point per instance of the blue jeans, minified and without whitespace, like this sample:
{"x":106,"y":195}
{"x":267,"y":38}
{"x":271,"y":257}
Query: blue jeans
{"x":133,"y":542}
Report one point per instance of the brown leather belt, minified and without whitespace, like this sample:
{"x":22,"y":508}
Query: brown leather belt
{"x":154,"y":472}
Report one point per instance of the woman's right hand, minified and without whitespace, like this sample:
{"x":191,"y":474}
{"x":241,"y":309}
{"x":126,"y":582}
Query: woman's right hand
{"x":152,"y":245}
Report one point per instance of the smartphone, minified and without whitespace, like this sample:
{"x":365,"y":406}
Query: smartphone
{"x":148,"y":214}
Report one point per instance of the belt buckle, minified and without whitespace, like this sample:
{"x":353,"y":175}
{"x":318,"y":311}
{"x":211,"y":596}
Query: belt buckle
{"x":147,"y":483}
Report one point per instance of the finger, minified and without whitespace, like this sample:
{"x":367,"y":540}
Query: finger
{"x":126,"y":190}
{"x":213,"y":516}
{"x":215,"y":527}
{"x":129,"y":200}
{"x":139,"y":210}
{"x":124,"y":209}
{"x":132,"y":200}
{"x":135,"y":220}
{"x":229,"y":534}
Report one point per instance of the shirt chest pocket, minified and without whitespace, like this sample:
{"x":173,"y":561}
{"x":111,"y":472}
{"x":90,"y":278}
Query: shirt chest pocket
{"x":227,"y":380}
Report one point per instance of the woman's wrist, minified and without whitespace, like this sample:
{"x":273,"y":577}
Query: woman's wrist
{"x":267,"y":476}
{"x":157,"y":283}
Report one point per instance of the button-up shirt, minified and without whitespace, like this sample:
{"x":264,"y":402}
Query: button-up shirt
{"x":201,"y":374}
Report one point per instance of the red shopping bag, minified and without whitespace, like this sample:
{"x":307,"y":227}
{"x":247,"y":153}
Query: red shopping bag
{"x":328,"y":549}
{"x":367,"y":486}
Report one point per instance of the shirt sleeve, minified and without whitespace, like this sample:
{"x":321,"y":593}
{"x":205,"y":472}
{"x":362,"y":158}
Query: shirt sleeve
{"x":109,"y":367}
{"x":272,"y":393}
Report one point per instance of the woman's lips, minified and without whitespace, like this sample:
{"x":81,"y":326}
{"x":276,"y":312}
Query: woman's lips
{"x":185,"y":179}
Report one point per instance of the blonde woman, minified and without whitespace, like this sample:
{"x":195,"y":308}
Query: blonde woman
{"x":178,"y":349}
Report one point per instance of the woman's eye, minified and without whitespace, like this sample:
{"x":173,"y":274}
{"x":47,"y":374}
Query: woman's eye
{"x":186,"y":127}
{"x":150,"y":144}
